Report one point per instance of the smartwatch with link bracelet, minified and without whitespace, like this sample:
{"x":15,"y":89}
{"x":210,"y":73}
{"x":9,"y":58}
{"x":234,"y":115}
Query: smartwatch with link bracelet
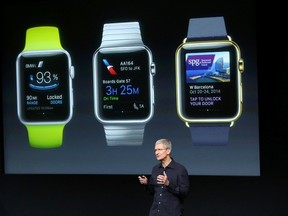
{"x":123,"y":71}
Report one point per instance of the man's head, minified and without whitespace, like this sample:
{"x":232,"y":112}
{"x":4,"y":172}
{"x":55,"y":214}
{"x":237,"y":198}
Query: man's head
{"x":162,"y":149}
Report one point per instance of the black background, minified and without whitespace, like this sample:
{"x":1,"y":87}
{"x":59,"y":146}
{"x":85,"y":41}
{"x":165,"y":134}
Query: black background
{"x":264,"y":195}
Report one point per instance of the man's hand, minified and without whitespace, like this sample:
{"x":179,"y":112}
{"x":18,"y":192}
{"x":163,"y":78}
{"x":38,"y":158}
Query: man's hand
{"x":143,"y":179}
{"x":163,"y":179}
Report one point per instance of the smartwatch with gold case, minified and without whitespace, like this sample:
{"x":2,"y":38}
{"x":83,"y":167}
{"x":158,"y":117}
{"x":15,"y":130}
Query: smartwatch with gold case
{"x":208,"y":81}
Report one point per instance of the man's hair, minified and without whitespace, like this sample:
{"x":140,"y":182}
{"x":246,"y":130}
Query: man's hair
{"x":166,"y":142}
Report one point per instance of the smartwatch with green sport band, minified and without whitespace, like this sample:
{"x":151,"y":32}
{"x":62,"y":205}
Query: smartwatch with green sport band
{"x":44,"y":74}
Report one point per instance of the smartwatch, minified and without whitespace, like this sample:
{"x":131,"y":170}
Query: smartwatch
{"x":208,"y":81}
{"x":44,"y":74}
{"x":123,"y":71}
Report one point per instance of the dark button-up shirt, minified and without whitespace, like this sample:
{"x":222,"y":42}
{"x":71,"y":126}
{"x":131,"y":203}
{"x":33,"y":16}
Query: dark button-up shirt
{"x":168,"y":200}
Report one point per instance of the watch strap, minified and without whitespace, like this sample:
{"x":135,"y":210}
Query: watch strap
{"x":208,"y":28}
{"x":210,"y":134}
{"x":42,"y":38}
{"x":124,"y":134}
{"x":121,"y":34}
{"x":45,"y":136}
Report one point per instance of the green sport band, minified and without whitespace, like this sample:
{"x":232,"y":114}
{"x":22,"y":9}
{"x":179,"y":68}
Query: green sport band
{"x":45,"y":136}
{"x":44,"y":38}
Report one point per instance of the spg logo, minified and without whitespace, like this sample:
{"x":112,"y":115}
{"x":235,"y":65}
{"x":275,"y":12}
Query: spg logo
{"x":199,"y":61}
{"x":194,"y":62}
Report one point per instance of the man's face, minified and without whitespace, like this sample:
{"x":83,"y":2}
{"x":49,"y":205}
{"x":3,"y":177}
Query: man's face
{"x":161,"y":152}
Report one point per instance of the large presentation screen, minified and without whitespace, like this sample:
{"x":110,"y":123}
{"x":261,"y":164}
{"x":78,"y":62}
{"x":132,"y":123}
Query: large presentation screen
{"x":88,"y":87}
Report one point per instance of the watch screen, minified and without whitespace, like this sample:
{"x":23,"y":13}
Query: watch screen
{"x":43,"y":87}
{"x":209,"y":80}
{"x":123,"y":85}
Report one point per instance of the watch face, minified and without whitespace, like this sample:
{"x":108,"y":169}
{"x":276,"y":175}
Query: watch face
{"x":208,"y":82}
{"x":123,"y":85}
{"x":44,"y":87}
